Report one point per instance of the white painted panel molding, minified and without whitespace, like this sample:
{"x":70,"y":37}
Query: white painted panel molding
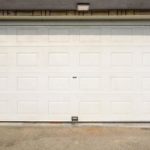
{"x":98,"y":73}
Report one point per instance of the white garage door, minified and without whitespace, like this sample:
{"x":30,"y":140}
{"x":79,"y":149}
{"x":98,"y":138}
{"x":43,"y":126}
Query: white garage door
{"x":98,"y":73}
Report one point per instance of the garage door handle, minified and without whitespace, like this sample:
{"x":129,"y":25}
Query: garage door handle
{"x":74,"y":77}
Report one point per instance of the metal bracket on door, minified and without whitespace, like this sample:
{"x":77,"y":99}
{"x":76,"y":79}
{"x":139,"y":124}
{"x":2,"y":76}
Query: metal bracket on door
{"x":74,"y":119}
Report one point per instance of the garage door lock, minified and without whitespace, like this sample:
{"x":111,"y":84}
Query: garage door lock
{"x":74,"y":77}
{"x":74,"y":119}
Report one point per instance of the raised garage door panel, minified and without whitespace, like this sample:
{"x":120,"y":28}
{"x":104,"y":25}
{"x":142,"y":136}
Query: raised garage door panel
{"x":98,"y":73}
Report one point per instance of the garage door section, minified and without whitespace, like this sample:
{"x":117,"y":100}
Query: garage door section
{"x":51,"y":73}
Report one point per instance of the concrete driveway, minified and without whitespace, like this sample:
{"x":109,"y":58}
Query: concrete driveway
{"x":68,"y":137}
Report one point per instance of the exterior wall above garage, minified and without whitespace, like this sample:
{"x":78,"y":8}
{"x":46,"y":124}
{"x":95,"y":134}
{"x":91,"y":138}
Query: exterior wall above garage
{"x":72,"y":4}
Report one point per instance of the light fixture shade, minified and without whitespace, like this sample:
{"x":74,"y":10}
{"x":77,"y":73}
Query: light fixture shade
{"x":83,"y":7}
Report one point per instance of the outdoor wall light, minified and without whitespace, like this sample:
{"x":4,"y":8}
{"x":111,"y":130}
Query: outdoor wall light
{"x":83,"y":7}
